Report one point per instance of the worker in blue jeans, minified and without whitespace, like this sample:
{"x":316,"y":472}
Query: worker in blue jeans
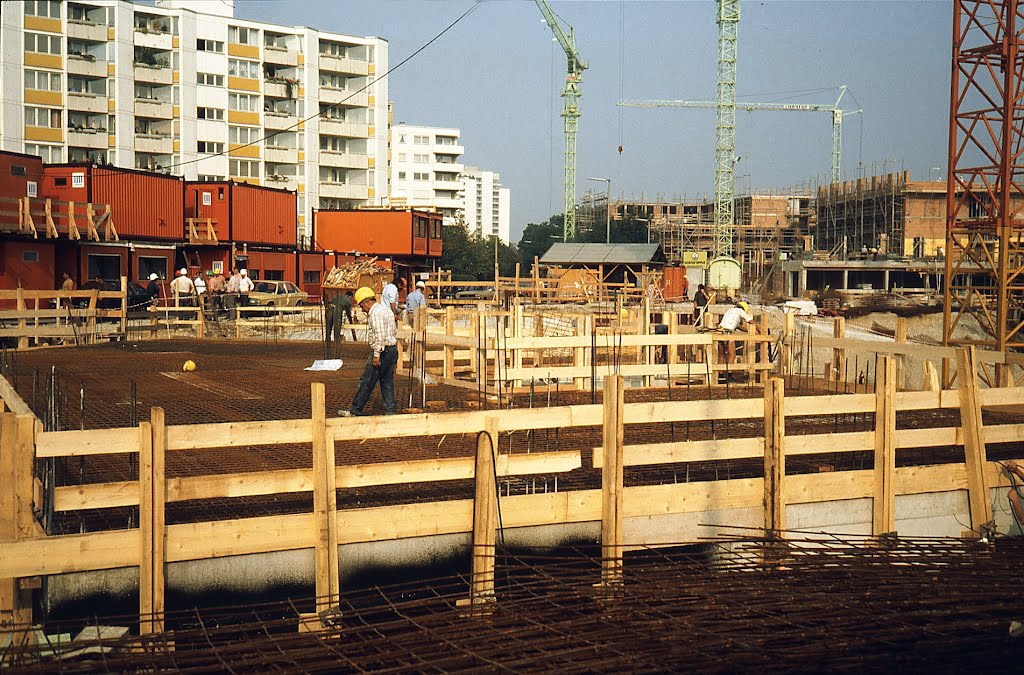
{"x":382,"y":334}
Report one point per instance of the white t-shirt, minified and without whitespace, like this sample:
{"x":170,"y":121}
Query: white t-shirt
{"x":200,"y":284}
{"x":732,"y":317}
{"x":389,"y":296}
{"x":245,"y":285}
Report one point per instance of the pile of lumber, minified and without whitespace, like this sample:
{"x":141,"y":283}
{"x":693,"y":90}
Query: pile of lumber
{"x":354,"y":275}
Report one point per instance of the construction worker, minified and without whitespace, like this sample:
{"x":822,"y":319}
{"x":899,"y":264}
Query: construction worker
{"x":183,"y":289}
{"x":382,"y":334}
{"x":734,"y":318}
{"x":332,"y":325}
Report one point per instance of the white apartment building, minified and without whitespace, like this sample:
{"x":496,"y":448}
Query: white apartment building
{"x":486,"y":203}
{"x":186,"y":87}
{"x":425,"y":169}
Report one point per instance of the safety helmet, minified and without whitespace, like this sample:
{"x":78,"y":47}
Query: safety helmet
{"x":744,"y":306}
{"x":364,"y":293}
{"x":152,"y":276}
{"x":183,"y":271}
{"x":189,"y":366}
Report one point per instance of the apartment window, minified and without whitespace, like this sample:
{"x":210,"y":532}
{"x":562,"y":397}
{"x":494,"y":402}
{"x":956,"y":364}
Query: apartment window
{"x":332,"y":49}
{"x":421,"y":176}
{"x":42,"y":80}
{"x":332,"y":113}
{"x":47,"y":8}
{"x":243,"y":168}
{"x":216,"y":46}
{"x":210,"y":79}
{"x":51,"y":154}
{"x":401,"y":175}
{"x":445,"y":140}
{"x":333,"y":175}
{"x":243,"y":135}
{"x":333,"y":81}
{"x":243,"y":102}
{"x":421,"y":140}
{"x":333,"y":144}
{"x":42,"y":43}
{"x":242,"y":36}
{"x":246,"y":69}
{"x":210,"y":113}
{"x":206,"y":178}
{"x":421,"y":159}
{"x":43,"y":117}
{"x":209,"y":147}
{"x":402,"y":157}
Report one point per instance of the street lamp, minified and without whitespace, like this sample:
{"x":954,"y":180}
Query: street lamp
{"x":607,"y":210}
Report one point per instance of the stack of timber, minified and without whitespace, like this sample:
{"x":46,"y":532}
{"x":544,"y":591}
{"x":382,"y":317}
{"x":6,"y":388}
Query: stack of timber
{"x":354,"y":275}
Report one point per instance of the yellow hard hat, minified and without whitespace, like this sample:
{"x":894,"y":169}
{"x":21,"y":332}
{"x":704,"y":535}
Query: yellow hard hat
{"x":623,"y":313}
{"x":744,"y":306}
{"x":189,"y":366}
{"x":364,"y":293}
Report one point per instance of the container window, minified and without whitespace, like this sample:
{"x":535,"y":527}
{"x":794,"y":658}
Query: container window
{"x":274,"y":275}
{"x":18,"y":170}
{"x":60,"y":181}
{"x":30,"y":256}
{"x":149,"y":264}
{"x":310,"y":276}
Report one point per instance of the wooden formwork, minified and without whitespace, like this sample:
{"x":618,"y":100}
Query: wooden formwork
{"x":45,"y":315}
{"x":27,"y":552}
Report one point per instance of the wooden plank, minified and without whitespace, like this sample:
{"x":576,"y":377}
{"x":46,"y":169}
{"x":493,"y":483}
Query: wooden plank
{"x":147,"y":554}
{"x":1001,"y":396}
{"x":485,"y":514}
{"x":12,"y":399}
{"x":686,"y":451}
{"x":609,"y":341}
{"x":626,"y":370}
{"x":883,"y":511}
{"x":236,"y":434}
{"x":87,"y":442}
{"x":927,"y":400}
{"x":611,"y":480}
{"x":974,"y":441}
{"x":774,"y":456}
{"x":833,"y":404}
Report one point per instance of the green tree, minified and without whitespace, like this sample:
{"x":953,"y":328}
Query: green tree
{"x":537,"y":239}
{"x":470,"y":256}
{"x":625,"y":231}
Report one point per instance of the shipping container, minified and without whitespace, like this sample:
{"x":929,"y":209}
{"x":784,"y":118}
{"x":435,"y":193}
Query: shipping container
{"x":143,"y":205}
{"x":246,"y":214}
{"x":311,"y":269}
{"x":675,"y":284}
{"x":29,"y":265}
{"x":268,"y":265}
{"x":396,"y":233}
{"x":19,"y":177}
{"x":209,"y":201}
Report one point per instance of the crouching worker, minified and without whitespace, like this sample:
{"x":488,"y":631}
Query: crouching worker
{"x":382,"y":335}
{"x":735,"y":318}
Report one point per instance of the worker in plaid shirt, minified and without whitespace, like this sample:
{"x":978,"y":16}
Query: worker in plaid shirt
{"x":382,"y":334}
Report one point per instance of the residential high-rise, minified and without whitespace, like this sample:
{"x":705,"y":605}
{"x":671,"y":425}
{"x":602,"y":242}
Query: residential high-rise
{"x":186,"y":87}
{"x":486,"y":203}
{"x":425,"y":169}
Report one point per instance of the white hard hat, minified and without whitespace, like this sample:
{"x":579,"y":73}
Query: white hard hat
{"x":152,"y":276}
{"x":244,"y":272}
{"x":184,"y":271}
{"x":420,"y":284}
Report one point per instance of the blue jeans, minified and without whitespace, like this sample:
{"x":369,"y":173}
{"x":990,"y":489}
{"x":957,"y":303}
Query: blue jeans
{"x":385,"y":374}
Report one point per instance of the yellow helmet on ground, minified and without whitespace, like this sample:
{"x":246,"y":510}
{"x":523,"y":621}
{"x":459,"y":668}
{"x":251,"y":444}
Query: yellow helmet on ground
{"x":189,"y":366}
{"x":364,"y":293}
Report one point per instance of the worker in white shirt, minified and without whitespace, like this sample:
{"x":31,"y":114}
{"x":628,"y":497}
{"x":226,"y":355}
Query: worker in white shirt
{"x":183,"y":289}
{"x":245,"y":287}
{"x":734,"y":318}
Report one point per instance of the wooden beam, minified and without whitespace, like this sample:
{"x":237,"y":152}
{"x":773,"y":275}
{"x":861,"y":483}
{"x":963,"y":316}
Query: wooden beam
{"x":12,"y":399}
{"x":774,"y":456}
{"x":51,"y":229}
{"x":73,"y":233}
{"x":90,"y":223}
{"x":324,"y":505}
{"x":901,"y":359}
{"x":883,"y":512}
{"x":485,"y":515}
{"x":611,"y":480}
{"x":152,"y":550}
{"x":974,"y":441}
{"x":16,"y":521}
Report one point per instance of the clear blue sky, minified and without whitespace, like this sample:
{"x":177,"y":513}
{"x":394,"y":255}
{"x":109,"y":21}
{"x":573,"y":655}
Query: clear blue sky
{"x":498,"y":76}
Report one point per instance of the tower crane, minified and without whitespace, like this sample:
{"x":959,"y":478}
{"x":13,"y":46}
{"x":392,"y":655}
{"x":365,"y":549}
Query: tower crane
{"x":834,"y":109}
{"x":575,"y":66}
{"x":723,"y":270}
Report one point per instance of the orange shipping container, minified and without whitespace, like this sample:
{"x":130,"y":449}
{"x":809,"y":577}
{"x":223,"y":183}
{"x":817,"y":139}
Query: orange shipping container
{"x":143,"y":205}
{"x":19,"y":177}
{"x":380,"y":233}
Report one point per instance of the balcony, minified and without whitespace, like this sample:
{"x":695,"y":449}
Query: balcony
{"x":345,"y":160}
{"x":343,"y":191}
{"x":449,"y":149}
{"x":85,"y":102}
{"x":280,"y":88}
{"x":152,"y":74}
{"x":86,"y":30}
{"x":153,"y":39}
{"x":344,"y":65}
{"x":147,"y":107}
{"x":86,"y":66}
{"x":154,"y":143}
{"x":448,"y":203}
{"x":347,"y":97}
{"x":279,"y":154}
{"x":275,"y":121}
{"x":95,"y":139}
{"x":346,"y":129}
{"x":280,"y":56}
{"x":440,"y":184}
{"x":279,"y":182}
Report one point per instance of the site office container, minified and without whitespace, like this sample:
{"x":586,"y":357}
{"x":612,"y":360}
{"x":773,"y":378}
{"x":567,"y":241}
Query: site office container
{"x":109,"y":261}
{"x":675,"y":284}
{"x":252,"y":214}
{"x":30,"y":265}
{"x":268,"y":265}
{"x":19,"y":178}
{"x":213,"y":259}
{"x":311,"y":268}
{"x":143,"y":204}
{"x":145,"y":260}
{"x":376,"y":232}
{"x":435,"y":235}
{"x":210,"y":200}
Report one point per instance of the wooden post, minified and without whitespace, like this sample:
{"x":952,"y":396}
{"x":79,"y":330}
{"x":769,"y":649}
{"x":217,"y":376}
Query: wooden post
{"x":17,"y":454}
{"x":51,"y":229}
{"x":611,"y":480}
{"x":763,"y":329}
{"x":485,"y":515}
{"x":517,"y":332}
{"x":974,"y":442}
{"x":535,"y":271}
{"x":774,"y":456}
{"x":324,"y":505}
{"x":22,"y":324}
{"x":449,"y":350}
{"x":901,"y":359}
{"x":788,"y":337}
{"x":645,"y":329}
{"x":90,"y":321}
{"x":152,"y":497}
{"x":839,"y":354}
{"x":931,"y":377}
{"x":124,"y":308}
{"x":883,"y":519}
{"x":73,"y":232}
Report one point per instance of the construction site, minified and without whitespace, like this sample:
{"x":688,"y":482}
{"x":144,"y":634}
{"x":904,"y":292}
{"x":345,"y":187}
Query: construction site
{"x":588,"y":470}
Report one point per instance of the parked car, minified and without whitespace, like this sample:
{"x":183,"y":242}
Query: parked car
{"x":477,"y":293}
{"x":277,"y":293}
